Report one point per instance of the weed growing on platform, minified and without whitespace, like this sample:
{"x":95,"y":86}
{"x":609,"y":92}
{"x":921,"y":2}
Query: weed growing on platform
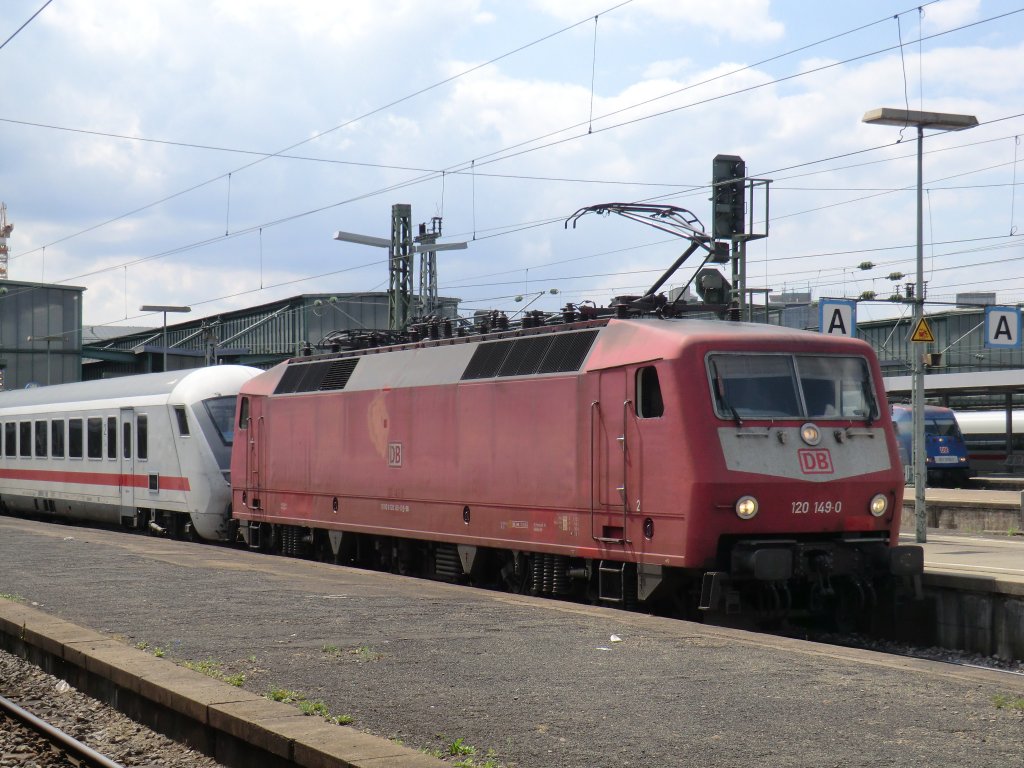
{"x":284,"y":695}
{"x":12,"y":597}
{"x":142,"y":645}
{"x":212,"y":668}
{"x":307,"y":707}
{"x":366,"y":653}
{"x":1008,"y":702}
{"x":209,"y":667}
{"x":459,"y":747}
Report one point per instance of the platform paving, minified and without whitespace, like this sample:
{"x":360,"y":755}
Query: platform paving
{"x":535,"y":682}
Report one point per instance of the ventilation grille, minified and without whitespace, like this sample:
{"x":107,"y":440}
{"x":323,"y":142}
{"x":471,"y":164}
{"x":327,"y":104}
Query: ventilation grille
{"x":316,"y":377}
{"x":556,"y":353}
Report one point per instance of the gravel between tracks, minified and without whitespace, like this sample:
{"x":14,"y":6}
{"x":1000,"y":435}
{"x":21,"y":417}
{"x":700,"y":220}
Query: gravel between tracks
{"x":99,"y":726}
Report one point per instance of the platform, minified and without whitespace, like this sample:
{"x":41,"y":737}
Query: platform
{"x":536,"y":682}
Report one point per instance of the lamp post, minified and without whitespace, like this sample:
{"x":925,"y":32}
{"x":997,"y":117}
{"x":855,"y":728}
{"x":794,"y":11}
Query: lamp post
{"x":937,"y":121}
{"x":48,"y":340}
{"x":165,"y":309}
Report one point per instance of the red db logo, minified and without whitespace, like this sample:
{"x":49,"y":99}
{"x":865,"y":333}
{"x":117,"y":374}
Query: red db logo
{"x":815,"y":461}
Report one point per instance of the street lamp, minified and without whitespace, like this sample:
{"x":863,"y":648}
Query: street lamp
{"x":937,"y":121}
{"x":48,"y":340}
{"x":165,"y":309}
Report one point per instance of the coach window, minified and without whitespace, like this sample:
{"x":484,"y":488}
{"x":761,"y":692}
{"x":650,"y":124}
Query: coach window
{"x":41,"y":439}
{"x":94,"y":437}
{"x":75,"y":438}
{"x":182,"y":419}
{"x":126,"y":440}
{"x":25,"y":439}
{"x":649,"y":404}
{"x":57,"y":438}
{"x":142,"y":437}
{"x":111,"y":437}
{"x":10,"y":439}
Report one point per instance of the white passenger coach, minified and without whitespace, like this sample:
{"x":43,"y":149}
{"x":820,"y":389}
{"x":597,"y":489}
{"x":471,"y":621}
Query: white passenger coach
{"x":150,"y":451}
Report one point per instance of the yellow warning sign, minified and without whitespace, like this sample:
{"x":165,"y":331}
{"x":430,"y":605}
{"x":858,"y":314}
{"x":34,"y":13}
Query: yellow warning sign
{"x":922,"y":332}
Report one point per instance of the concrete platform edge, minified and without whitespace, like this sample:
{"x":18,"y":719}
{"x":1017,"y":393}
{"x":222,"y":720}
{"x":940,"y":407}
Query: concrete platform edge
{"x":236,"y":727}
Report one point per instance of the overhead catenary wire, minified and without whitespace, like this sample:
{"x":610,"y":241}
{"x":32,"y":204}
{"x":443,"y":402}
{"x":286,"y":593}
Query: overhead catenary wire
{"x":267,"y":224}
{"x":464,"y":166}
{"x":30,"y":18}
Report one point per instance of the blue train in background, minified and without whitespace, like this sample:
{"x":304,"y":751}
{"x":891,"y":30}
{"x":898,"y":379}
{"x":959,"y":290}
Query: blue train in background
{"x":945,"y":450}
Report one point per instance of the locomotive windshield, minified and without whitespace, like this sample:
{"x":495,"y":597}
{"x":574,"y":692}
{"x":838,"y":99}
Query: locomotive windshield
{"x":781,"y":386}
{"x":222,"y":414}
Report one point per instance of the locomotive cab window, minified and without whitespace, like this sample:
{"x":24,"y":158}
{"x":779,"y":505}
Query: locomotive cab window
{"x":649,"y":404}
{"x":182,"y":420}
{"x":221,"y":411}
{"x":243,"y":414}
{"x":780,"y":386}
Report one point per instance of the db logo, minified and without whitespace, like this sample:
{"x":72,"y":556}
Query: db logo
{"x":943,"y":449}
{"x":815,"y":461}
{"x":394,"y":454}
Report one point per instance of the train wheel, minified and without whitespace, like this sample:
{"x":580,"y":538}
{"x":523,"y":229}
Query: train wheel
{"x":322,"y":551}
{"x":849,"y":607}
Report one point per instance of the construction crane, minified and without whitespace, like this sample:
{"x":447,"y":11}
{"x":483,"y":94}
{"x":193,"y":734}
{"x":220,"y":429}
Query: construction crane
{"x":5,"y":232}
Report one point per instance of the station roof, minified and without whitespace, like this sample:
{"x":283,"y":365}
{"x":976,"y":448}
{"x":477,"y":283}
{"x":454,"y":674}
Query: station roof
{"x":973,"y":383}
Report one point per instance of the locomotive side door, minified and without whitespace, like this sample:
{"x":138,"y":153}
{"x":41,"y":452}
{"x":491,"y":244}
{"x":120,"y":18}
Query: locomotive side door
{"x":126,"y":425}
{"x":254,"y":451}
{"x":610,"y":459}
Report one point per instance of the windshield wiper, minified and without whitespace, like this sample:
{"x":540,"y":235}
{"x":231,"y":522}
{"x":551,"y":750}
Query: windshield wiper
{"x":720,"y":394}
{"x":869,"y":398}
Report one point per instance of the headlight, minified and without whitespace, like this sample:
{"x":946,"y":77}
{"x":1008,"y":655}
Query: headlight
{"x":810,"y":434}
{"x":746,"y":507}
{"x":879,"y":503}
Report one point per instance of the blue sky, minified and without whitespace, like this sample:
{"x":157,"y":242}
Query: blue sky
{"x":128,"y":132}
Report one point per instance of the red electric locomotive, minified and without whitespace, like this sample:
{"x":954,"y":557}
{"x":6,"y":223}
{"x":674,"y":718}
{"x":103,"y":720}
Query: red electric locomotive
{"x":665,"y":461}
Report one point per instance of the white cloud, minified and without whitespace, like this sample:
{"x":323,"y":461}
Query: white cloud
{"x":262,"y":75}
{"x":950,"y":14}
{"x":733,"y":19}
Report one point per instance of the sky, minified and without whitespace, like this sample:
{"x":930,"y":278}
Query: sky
{"x":204,"y":152}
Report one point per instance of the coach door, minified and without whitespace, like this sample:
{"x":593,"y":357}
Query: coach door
{"x":127,"y":474}
{"x":611,"y":491}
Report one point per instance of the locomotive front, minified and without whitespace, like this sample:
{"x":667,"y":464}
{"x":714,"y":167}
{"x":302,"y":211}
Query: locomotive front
{"x":803,"y":512}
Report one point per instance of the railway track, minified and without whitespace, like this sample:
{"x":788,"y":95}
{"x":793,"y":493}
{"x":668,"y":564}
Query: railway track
{"x":48,"y":744}
{"x":46,"y":722}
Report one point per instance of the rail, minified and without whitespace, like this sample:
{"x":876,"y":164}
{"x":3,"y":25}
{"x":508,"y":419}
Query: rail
{"x":86,"y":755}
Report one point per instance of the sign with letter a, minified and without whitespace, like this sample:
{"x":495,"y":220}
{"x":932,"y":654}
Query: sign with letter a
{"x":837,"y":317}
{"x":1002,"y":327}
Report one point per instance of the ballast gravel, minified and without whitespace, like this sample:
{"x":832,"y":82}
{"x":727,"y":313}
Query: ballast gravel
{"x":95,"y":724}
